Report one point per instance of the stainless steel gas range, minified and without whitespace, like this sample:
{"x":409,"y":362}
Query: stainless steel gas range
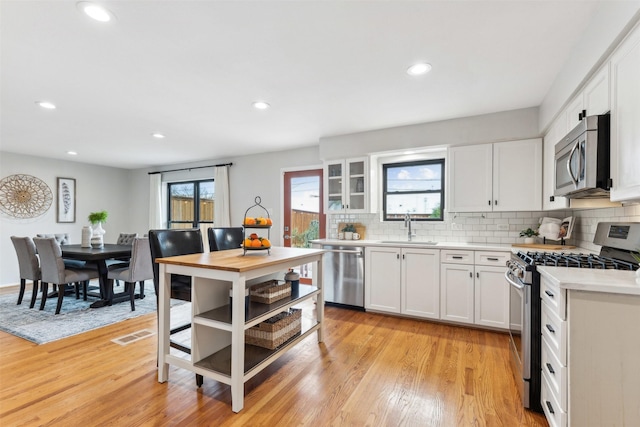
{"x":617,"y":240}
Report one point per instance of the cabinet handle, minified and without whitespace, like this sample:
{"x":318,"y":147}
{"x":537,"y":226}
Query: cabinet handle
{"x":489,"y":202}
{"x":403,"y":256}
{"x":550,"y":294}
{"x":552,"y":198}
{"x":397,"y":256}
{"x":477,"y":274}
{"x":550,"y":368}
{"x":549,"y":407}
{"x":493,"y":259}
{"x":550,"y":328}
{"x":495,"y":203}
{"x":471,"y":274}
{"x":456,"y":257}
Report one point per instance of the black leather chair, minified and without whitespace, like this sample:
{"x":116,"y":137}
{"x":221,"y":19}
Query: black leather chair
{"x":166,"y":243}
{"x":224,"y":238}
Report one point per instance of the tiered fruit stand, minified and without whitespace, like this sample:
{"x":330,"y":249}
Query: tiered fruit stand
{"x":267,"y":225}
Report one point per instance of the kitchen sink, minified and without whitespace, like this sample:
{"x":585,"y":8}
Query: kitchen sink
{"x":406,"y":242}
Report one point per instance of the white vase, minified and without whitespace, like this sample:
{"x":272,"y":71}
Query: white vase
{"x":529,"y":240}
{"x":86,"y":236}
{"x":348,"y":235}
{"x":97,"y":236}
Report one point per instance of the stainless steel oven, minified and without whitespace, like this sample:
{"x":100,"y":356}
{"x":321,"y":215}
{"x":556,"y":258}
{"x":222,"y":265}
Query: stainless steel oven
{"x":524,"y":330}
{"x":616,"y":241}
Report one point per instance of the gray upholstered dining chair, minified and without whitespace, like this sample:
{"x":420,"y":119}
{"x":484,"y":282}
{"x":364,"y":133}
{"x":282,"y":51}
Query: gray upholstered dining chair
{"x":54,"y":271}
{"x":139,"y":269}
{"x":29,"y":266}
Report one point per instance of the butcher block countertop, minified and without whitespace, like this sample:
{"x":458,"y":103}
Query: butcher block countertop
{"x":235,"y":260}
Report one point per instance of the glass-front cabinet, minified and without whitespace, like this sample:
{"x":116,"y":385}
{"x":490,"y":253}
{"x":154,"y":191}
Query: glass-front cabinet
{"x":346,"y":184}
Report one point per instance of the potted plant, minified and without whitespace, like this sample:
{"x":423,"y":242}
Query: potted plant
{"x":97,"y":235}
{"x":348,"y":231}
{"x":529,"y":235}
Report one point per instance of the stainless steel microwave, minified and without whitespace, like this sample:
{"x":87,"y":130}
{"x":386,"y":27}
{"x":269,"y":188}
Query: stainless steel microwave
{"x":582,"y":160}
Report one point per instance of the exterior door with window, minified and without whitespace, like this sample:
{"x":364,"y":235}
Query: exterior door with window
{"x":303,"y":217}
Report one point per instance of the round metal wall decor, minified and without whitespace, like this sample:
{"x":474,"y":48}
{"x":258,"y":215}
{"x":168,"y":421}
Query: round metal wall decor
{"x":24,"y":196}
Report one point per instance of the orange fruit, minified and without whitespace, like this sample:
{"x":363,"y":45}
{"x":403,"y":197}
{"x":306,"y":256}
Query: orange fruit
{"x":256,"y":243}
{"x":266,"y":243}
{"x":269,"y":222}
{"x":260,"y":221}
{"x":249,"y":221}
{"x":247,"y":242}
{"x":253,"y":236}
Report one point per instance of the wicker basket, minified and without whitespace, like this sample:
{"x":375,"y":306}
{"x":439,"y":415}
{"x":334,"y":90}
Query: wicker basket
{"x":270,"y":291}
{"x":277,"y":330}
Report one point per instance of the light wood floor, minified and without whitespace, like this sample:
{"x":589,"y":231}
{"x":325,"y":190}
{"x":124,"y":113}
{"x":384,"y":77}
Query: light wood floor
{"x":372,"y":370}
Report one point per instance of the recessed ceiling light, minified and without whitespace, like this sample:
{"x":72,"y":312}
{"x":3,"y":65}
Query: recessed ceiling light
{"x":72,"y":153}
{"x":157,"y":135}
{"x":261,"y":105}
{"x":46,"y":104}
{"x":418,"y":69}
{"x":95,"y":11}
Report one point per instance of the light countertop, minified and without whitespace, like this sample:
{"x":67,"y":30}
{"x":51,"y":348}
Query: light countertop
{"x":499,"y":247}
{"x":609,"y":281}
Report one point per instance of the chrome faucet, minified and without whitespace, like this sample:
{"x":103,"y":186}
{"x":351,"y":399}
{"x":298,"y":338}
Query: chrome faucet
{"x":407,"y":223}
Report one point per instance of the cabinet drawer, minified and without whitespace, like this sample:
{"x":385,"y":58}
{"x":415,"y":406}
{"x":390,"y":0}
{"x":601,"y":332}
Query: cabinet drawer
{"x":555,"y":415}
{"x":492,"y":258}
{"x":554,"y":297}
{"x":456,"y":257}
{"x":556,"y":374}
{"x":554,"y":331}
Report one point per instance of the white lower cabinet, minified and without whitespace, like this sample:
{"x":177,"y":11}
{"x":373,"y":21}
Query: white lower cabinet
{"x":589,"y":362}
{"x":473,"y":289}
{"x":455,"y":285}
{"x":403,"y":280}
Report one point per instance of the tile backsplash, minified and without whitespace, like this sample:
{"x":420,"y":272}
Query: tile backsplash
{"x":489,"y":227}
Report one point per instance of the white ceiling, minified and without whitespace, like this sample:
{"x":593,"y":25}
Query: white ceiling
{"x":191,"y":70}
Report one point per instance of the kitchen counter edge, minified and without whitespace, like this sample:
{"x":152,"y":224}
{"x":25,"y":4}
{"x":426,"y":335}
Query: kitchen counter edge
{"x":592,"y":280}
{"x":417,"y":244}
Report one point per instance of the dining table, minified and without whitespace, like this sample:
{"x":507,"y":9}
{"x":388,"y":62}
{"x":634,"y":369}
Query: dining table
{"x":99,"y":257}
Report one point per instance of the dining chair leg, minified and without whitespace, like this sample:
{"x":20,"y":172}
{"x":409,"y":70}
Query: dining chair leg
{"x":77,"y":286}
{"x":85,"y":288}
{"x":23,"y":285}
{"x":141,"y":289}
{"x":34,"y":294}
{"x":199,"y":380}
{"x":45,"y":291}
{"x":60,"y":297}
{"x":132,"y":288}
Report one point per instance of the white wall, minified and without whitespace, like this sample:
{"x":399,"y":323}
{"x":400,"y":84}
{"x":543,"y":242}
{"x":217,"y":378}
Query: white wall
{"x":495,"y":127}
{"x":97,"y":188}
{"x":611,"y":21}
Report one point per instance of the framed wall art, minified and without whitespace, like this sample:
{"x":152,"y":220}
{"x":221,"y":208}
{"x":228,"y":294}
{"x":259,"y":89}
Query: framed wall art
{"x":66,"y":200}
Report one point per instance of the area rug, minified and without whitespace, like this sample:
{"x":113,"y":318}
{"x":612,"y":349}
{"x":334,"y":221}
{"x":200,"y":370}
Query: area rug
{"x":75,"y":317}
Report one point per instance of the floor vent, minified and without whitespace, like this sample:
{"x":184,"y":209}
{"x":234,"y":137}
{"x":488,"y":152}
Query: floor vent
{"x":133,"y":337}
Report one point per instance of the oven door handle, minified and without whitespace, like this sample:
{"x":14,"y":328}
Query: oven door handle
{"x":513,"y":283}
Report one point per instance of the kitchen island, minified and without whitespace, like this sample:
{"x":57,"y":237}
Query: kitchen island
{"x":218,"y":349}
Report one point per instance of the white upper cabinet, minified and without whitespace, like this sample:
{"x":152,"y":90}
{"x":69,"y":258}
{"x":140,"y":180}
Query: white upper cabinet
{"x":549,"y":202}
{"x":505,"y":176}
{"x":573,"y":112}
{"x":625,"y":119}
{"x":596,"y":93}
{"x":346,"y":185}
{"x":470,"y":178}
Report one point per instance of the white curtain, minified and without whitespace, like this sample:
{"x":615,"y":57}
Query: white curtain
{"x":222,"y":211}
{"x":156,"y":203}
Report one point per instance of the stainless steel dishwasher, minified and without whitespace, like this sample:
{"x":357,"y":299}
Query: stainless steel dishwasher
{"x":343,"y":278}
